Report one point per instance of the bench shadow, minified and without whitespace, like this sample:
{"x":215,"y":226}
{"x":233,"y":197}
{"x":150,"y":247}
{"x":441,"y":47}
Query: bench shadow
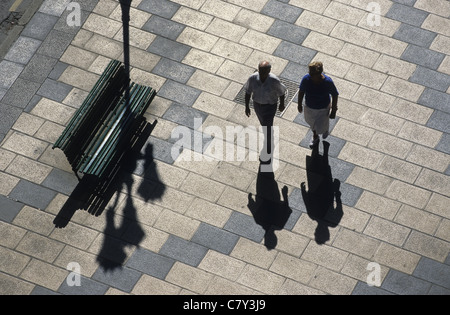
{"x":95,"y":194}
{"x":322,"y":193}
{"x":269,"y":210}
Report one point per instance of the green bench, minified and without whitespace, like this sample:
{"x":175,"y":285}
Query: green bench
{"x":106,"y":125}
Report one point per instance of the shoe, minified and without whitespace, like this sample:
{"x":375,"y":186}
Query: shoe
{"x":326,"y":134}
{"x":314,"y":142}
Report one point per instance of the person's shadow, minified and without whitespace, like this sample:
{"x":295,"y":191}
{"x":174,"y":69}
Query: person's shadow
{"x":268,"y":209}
{"x":321,"y":194}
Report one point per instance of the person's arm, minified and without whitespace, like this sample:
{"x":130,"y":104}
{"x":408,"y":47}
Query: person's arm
{"x":334,"y":107}
{"x":282,"y":106}
{"x":301,"y":95}
{"x":247,"y":104}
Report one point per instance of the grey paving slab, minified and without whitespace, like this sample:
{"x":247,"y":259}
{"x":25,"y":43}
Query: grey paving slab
{"x":173,"y":70}
{"x":294,"y":52}
{"x":38,"y":68}
{"x":407,"y":14}
{"x":288,"y":32}
{"x":423,"y":56}
{"x":179,"y":93}
{"x":244,"y":225}
{"x":39,"y":26}
{"x":282,"y":11}
{"x":120,"y":278}
{"x":439,"y":120}
{"x":87,"y":287}
{"x":150,"y":263}
{"x":8,"y":116}
{"x":430,"y":78}
{"x":162,"y":150}
{"x":350,"y":194}
{"x":184,"y":115}
{"x":435,"y":99}
{"x":55,"y":44}
{"x":10,"y":71}
{"x":444,"y":144}
{"x":23,"y":50}
{"x":184,"y":251}
{"x":20,"y":93}
{"x":61,"y":181}
{"x":54,"y":90}
{"x":168,"y":48}
{"x":163,"y":8}
{"x":433,"y":271}
{"x":163,"y":27}
{"x":9,"y":209}
{"x":401,"y":283}
{"x":406,"y":2}
{"x":215,"y":238}
{"x":363,"y":288}
{"x":414,"y":35}
{"x":296,"y":200}
{"x":32,"y":194}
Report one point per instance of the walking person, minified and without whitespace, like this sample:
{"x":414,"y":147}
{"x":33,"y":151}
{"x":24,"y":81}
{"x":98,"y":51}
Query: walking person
{"x":265,"y":88}
{"x":317,"y":87}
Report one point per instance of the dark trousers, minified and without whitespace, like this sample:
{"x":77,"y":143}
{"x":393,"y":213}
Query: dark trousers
{"x":266,"y":114}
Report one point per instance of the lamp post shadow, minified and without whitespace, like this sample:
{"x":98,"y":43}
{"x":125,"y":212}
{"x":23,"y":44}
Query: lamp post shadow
{"x":323,"y":198}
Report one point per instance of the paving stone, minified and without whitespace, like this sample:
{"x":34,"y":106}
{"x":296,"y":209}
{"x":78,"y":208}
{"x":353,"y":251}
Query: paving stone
{"x":322,"y":43}
{"x":44,"y":274}
{"x":38,"y":68}
{"x":150,"y":263}
{"x":22,"y":50}
{"x":149,"y":285}
{"x":414,"y":35}
{"x":261,"y":279}
{"x":122,"y":278}
{"x":423,"y":56}
{"x":10,"y":209}
{"x":181,"y":94}
{"x":245,"y":226}
{"x":12,"y":71}
{"x":184,"y":251}
{"x":87,"y":287}
{"x":281,"y":11}
{"x":32,"y":194}
{"x":430,"y":78}
{"x":162,"y":8}
{"x":437,"y":24}
{"x":403,"y":284}
{"x":444,"y":144}
{"x":173,"y":70}
{"x":190,"y":278}
{"x":55,"y":44}
{"x":61,"y":181}
{"x":215,"y":238}
{"x":362,"y":288}
{"x":433,"y":271}
{"x":54,"y":90}
{"x":20,"y":93}
{"x":407,"y":14}
{"x":428,"y":246}
{"x":435,"y":99}
{"x":439,"y":120}
{"x":39,"y":26}
{"x":8,"y":116}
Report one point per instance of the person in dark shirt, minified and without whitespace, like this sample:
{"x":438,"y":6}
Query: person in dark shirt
{"x":316,"y":88}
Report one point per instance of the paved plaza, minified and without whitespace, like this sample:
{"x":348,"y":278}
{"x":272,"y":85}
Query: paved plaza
{"x":192,"y":221}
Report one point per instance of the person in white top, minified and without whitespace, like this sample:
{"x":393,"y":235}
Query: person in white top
{"x":265,"y":89}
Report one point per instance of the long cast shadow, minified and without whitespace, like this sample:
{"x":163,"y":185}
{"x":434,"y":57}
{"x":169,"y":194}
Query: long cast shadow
{"x":322,"y":193}
{"x":94,"y":194}
{"x":268,"y":209}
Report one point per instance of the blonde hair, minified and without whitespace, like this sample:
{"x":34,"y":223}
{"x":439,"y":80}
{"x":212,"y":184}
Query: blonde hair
{"x":315,"y":67}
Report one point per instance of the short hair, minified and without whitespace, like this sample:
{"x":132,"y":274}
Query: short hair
{"x":315,"y":67}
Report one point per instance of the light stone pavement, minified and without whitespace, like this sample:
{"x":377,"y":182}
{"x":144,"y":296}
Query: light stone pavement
{"x":187,"y":227}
